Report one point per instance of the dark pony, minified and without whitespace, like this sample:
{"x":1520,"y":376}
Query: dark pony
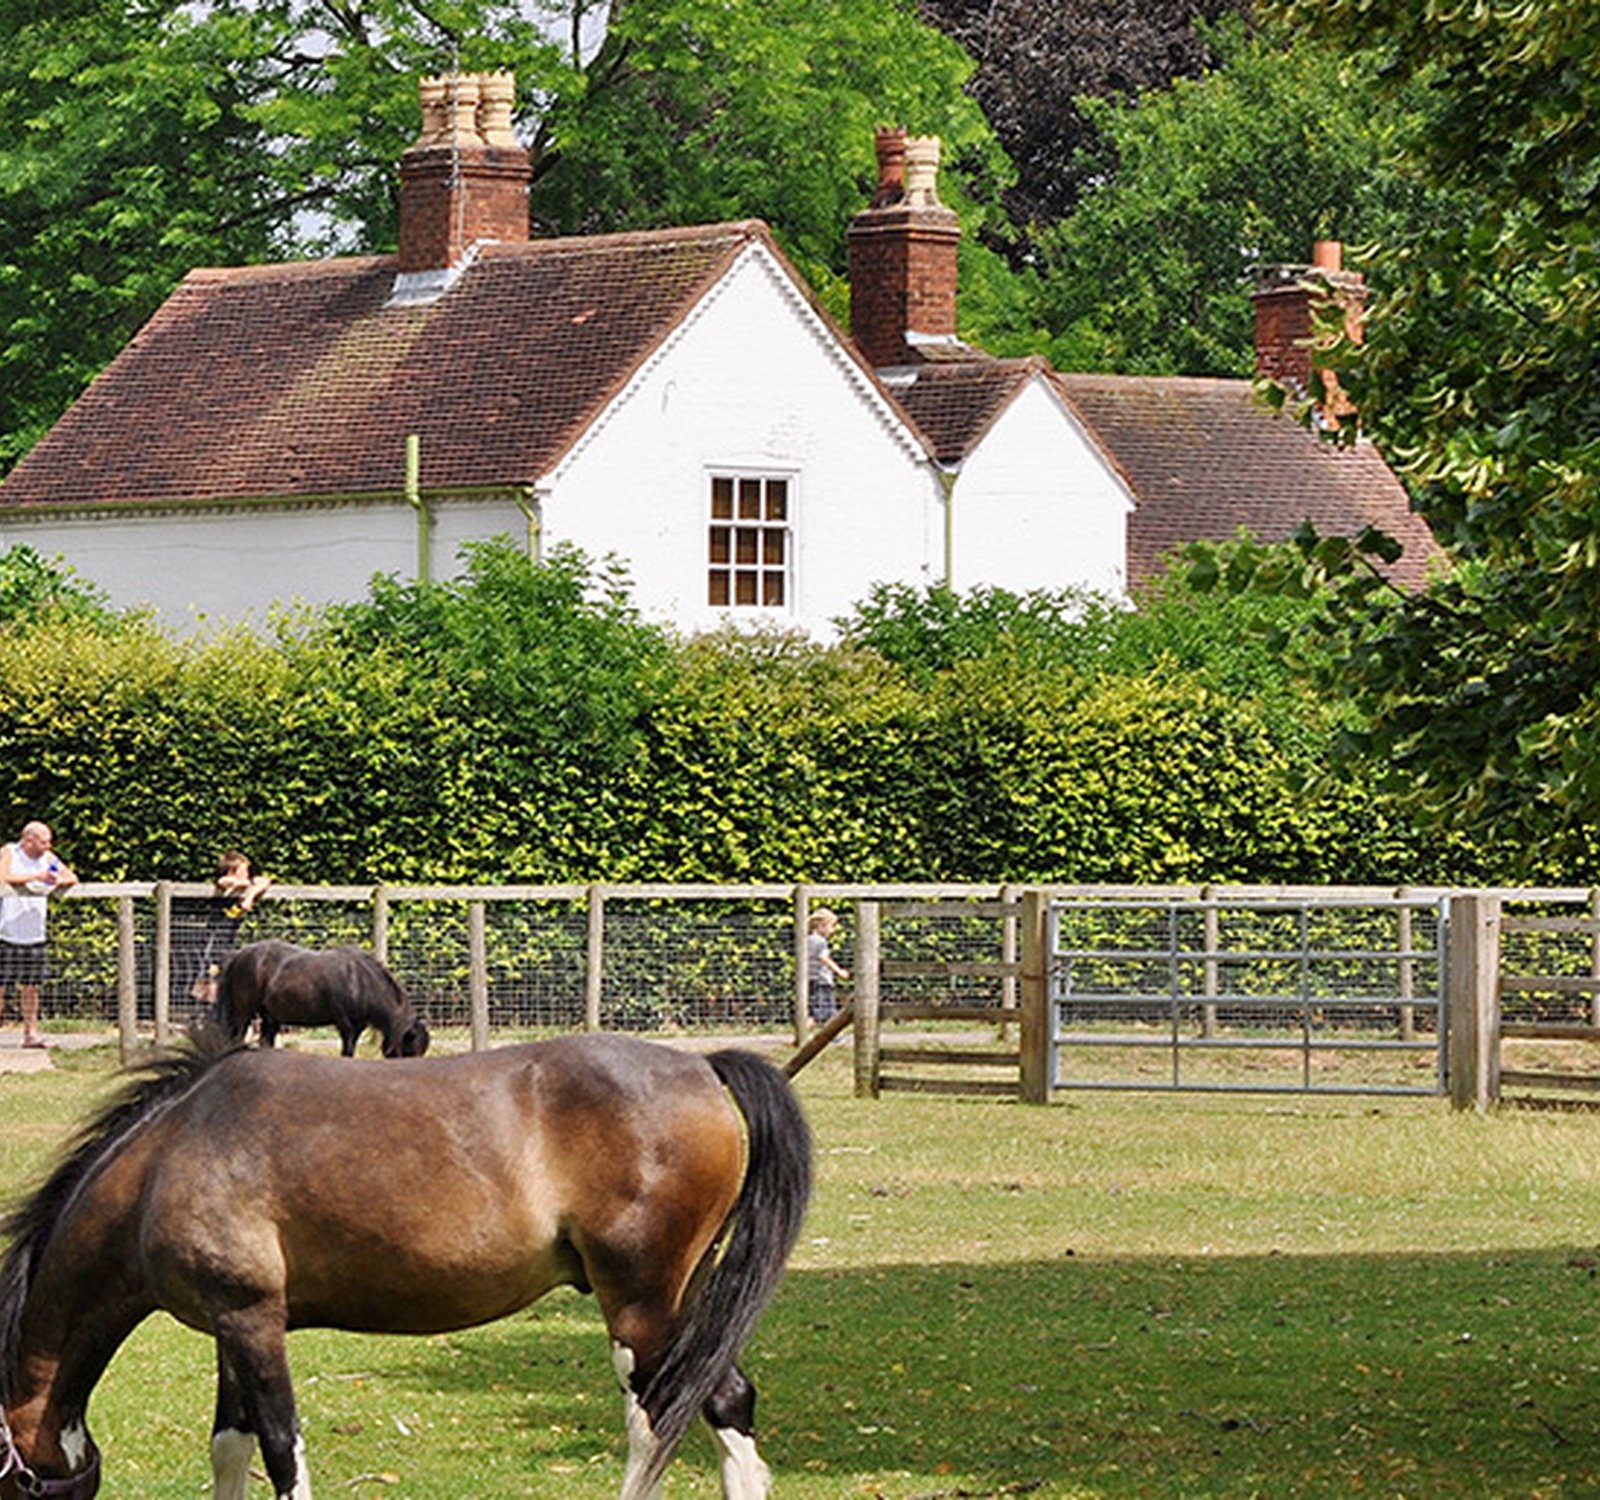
{"x":236,"y":1189}
{"x":346,"y":988}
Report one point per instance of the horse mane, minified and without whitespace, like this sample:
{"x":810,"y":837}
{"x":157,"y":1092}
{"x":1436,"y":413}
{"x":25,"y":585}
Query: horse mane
{"x":29,"y":1224}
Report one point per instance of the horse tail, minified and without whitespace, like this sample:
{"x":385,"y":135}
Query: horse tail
{"x":30,"y":1223}
{"x":766,"y":1223}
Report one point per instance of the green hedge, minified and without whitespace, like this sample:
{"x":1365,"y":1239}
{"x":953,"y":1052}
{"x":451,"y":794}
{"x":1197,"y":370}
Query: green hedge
{"x":523,"y":724}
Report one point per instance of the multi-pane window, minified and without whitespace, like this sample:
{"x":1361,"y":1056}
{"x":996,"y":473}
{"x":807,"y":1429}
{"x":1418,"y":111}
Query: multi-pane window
{"x":750,"y":545}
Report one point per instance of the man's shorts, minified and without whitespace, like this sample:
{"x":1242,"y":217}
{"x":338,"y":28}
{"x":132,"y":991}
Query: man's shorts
{"x":23,"y":963}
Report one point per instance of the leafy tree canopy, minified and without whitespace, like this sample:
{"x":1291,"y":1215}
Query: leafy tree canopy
{"x":1481,"y":372}
{"x":1200,"y":185}
{"x":1039,"y":61}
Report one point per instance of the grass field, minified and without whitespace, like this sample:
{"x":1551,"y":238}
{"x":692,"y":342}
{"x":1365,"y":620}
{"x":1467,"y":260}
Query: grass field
{"x":1116,"y":1296}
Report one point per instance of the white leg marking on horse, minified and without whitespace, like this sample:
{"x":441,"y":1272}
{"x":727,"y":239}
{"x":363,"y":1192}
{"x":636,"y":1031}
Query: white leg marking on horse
{"x":642,"y":1443}
{"x":231,"y":1452}
{"x":744,"y":1475}
{"x":75,"y":1445}
{"x":302,"y":1473}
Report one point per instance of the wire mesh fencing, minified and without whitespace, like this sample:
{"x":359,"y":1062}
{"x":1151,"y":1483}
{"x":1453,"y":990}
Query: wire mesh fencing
{"x":493,"y":958}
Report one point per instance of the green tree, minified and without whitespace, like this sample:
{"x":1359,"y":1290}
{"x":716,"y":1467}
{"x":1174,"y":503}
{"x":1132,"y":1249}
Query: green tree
{"x":1202,"y":184}
{"x":33,"y":590}
{"x":1039,"y":60}
{"x":695,"y":112}
{"x":1482,"y":370}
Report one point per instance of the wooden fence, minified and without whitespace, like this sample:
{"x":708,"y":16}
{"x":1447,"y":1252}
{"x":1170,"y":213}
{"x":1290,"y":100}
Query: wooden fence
{"x":1530,"y":980}
{"x":1523,"y":971}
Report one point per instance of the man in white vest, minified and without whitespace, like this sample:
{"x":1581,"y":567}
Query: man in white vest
{"x":30,"y":874}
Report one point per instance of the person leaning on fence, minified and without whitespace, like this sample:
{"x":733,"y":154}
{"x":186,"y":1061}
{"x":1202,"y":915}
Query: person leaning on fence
{"x":30,"y":873}
{"x":822,"y":970}
{"x":216,"y":933}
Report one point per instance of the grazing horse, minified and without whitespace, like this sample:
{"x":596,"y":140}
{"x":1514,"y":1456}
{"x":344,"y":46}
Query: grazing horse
{"x":248,"y":1192}
{"x":346,"y":988}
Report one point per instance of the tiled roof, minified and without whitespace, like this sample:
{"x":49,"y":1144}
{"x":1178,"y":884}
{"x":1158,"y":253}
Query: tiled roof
{"x":1204,"y":459}
{"x":297,"y":379}
{"x":955,"y":395}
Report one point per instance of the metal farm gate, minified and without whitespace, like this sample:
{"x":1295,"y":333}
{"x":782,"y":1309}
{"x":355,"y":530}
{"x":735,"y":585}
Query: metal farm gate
{"x":1247,"y":994}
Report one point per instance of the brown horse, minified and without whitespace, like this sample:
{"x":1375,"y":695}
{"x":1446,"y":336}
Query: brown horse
{"x":346,"y":988}
{"x":248,"y":1192}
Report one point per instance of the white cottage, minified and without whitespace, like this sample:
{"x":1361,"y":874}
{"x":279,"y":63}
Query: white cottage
{"x":675,"y":398}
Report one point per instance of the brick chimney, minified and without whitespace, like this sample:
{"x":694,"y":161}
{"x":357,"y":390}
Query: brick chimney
{"x":464,"y":180}
{"x":903,"y":255}
{"x":1286,"y":340}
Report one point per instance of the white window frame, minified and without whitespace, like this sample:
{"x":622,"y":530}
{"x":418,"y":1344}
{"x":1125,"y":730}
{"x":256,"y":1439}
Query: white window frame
{"x":750,"y":539}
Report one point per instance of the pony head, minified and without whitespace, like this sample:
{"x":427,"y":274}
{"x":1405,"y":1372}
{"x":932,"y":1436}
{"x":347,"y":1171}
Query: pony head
{"x":411,"y":1042}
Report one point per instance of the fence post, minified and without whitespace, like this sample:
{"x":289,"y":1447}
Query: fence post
{"x":594,"y":959}
{"x":1212,"y":929}
{"x":1033,"y":1033}
{"x":478,"y":975}
{"x":380,"y":923}
{"x":1594,"y":954}
{"x":1403,"y":936}
{"x":1010,"y":898}
{"x":1473,"y":995}
{"x":127,"y":981}
{"x":802,"y":988}
{"x":869,"y":956}
{"x":161,"y":980}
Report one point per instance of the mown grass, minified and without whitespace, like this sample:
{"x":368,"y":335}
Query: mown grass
{"x":1116,"y":1296}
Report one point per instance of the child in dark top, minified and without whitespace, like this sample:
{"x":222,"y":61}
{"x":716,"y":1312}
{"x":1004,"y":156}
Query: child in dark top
{"x":216,"y":930}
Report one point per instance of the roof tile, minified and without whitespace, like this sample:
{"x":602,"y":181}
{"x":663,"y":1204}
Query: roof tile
{"x":296,"y":379}
{"x":1204,"y":459}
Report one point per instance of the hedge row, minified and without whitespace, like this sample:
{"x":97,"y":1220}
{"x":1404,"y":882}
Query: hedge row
{"x":521,"y":724}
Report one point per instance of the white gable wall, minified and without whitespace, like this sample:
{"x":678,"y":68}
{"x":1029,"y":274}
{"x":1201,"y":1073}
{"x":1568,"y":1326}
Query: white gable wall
{"x":753,"y":381}
{"x":1036,"y":507}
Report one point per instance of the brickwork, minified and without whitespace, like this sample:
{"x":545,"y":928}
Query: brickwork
{"x":902,"y":279}
{"x":450,"y":200}
{"x":1284,"y":301}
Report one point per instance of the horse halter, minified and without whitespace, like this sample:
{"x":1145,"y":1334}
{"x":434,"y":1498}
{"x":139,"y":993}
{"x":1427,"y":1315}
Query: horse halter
{"x":80,"y":1486}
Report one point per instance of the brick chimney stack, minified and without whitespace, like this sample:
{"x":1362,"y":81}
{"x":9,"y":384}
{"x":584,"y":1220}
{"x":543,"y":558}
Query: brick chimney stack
{"x":465,"y":179}
{"x":1286,"y":340}
{"x":903,"y":255}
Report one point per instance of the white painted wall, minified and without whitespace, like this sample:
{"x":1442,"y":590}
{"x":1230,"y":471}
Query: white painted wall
{"x":197,"y":568}
{"x":753,"y":380}
{"x":1036,"y":507}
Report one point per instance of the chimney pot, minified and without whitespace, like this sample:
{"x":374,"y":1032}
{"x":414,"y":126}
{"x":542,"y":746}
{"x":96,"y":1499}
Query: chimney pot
{"x":497,"y":93}
{"x":922,"y":171}
{"x":435,"y":119}
{"x":461,"y":111}
{"x":891,"y":146}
